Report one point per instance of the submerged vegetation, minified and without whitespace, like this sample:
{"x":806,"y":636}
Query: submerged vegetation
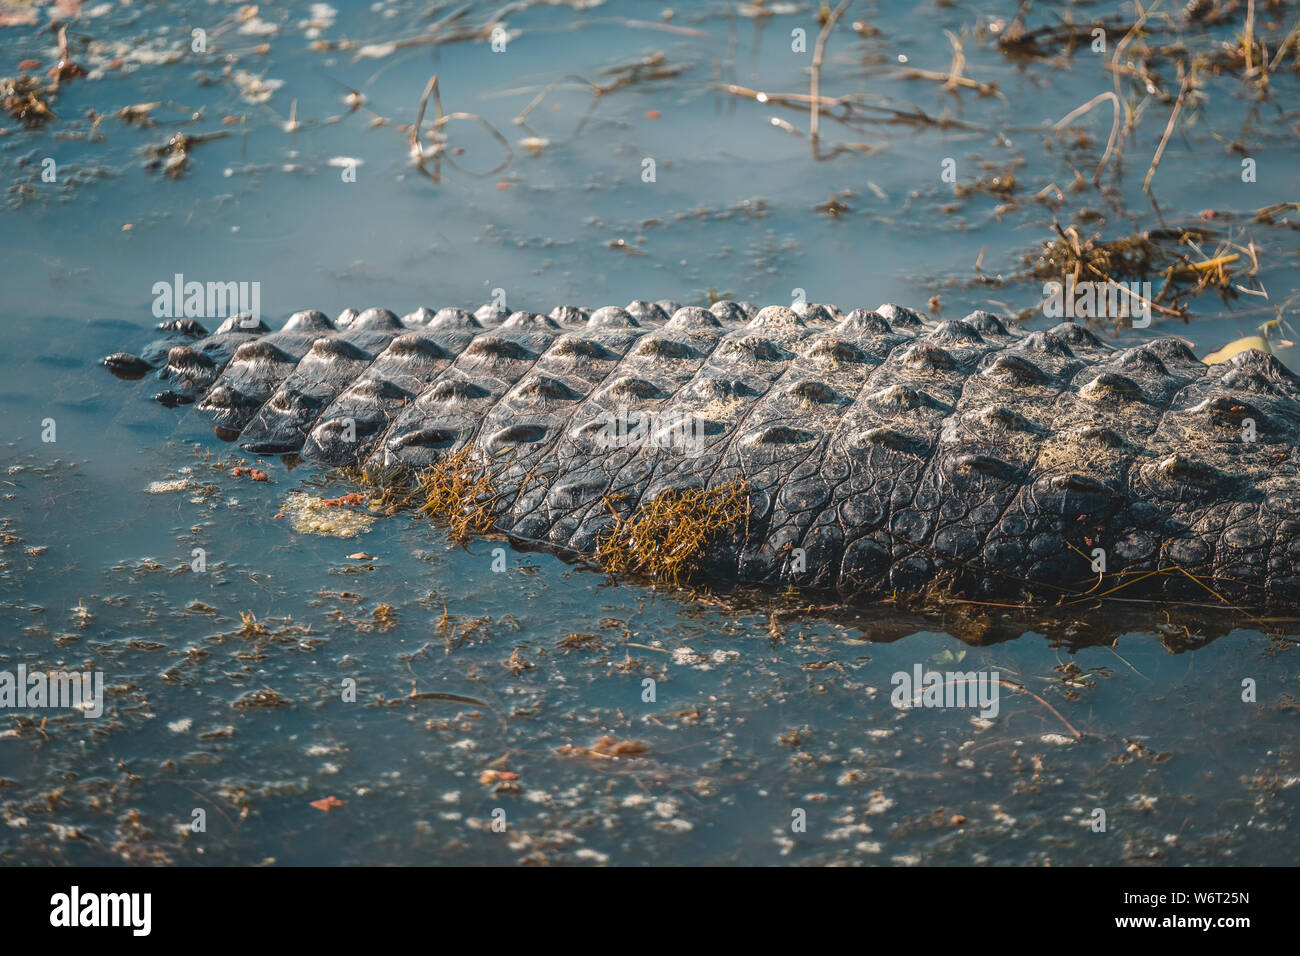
{"x":459,"y":494}
{"x":668,"y":538}
{"x":1172,"y":257}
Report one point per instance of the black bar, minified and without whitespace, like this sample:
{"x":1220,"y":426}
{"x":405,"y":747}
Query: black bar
{"x":511,"y":907}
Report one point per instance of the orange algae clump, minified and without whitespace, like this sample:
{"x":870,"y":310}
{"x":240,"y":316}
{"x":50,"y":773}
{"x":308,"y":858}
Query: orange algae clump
{"x":669,"y":538}
{"x":459,"y":494}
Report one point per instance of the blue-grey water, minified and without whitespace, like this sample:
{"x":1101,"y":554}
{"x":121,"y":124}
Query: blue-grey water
{"x":767,"y":712}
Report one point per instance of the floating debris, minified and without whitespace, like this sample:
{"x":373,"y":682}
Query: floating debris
{"x":173,"y":156}
{"x":169,"y":486}
{"x":345,"y":501}
{"x":265,"y":698}
{"x":312,"y":515}
{"x":606,"y":748}
{"x":535,"y":144}
{"x":26,"y":100}
{"x":138,"y":114}
{"x":255,"y":89}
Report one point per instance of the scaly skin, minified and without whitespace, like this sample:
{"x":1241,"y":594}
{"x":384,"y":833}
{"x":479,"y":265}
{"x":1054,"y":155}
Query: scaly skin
{"x":882,"y":452}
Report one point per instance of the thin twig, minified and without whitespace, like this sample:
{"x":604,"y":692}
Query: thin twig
{"x":1020,"y":687}
{"x":417,"y":151}
{"x":1014,"y":686}
{"x":597,"y":92}
{"x":1250,"y":35}
{"x":1163,"y":310}
{"x":953,"y":78}
{"x":1188,"y":83}
{"x":1114,"y":127}
{"x":1281,"y":50}
{"x":819,"y":51}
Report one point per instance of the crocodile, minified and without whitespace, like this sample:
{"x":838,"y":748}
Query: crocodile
{"x":880,"y":451}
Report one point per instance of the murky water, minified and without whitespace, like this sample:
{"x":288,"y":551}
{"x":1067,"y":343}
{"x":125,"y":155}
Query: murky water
{"x":764,"y":714}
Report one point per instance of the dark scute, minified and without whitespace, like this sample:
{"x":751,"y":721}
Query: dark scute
{"x":729,"y":311}
{"x":414,"y":346}
{"x":647,"y":313}
{"x":187,"y":327}
{"x":126,"y":366}
{"x":496,"y":347}
{"x":308,"y":320}
{"x":243,"y":322}
{"x":336,"y":349}
{"x":985,"y":323}
{"x":899,"y":316}
{"x":424,"y":438}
